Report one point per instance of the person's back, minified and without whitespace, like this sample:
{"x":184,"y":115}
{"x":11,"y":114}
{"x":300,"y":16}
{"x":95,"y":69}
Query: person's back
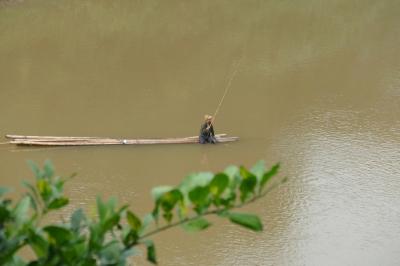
{"x":207,"y":131}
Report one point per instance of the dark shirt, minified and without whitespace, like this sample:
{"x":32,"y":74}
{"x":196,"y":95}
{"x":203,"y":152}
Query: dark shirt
{"x":206,"y":133}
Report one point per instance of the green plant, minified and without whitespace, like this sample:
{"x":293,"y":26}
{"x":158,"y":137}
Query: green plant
{"x":115,"y":232}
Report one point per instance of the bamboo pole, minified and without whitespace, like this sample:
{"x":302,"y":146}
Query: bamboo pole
{"x":118,"y":142}
{"x":76,"y":141}
{"x":62,"y":138}
{"x":9,"y":136}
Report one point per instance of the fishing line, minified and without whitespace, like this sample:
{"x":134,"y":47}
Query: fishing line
{"x":228,"y":86}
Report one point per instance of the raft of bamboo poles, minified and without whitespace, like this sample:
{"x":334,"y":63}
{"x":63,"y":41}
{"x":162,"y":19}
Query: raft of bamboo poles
{"x":86,"y":141}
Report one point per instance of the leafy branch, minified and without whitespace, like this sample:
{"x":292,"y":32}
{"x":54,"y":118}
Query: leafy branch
{"x":115,"y":232}
{"x":210,"y":212}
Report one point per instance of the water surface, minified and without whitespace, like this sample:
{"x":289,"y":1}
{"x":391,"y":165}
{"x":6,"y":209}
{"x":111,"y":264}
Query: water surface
{"x":317,"y":89}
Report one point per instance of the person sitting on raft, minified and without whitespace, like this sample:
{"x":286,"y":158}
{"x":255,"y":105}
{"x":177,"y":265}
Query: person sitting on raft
{"x":207,"y":131}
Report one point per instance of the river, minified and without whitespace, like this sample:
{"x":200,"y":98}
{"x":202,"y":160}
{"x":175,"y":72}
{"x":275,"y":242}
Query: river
{"x":317,"y":89}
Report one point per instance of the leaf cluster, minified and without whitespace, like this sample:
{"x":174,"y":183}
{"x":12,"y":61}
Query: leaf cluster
{"x":205,"y":193}
{"x":115,"y":233}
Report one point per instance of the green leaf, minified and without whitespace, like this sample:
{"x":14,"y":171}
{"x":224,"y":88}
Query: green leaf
{"x":101,"y":209}
{"x":151,"y":251}
{"x":38,"y":244}
{"x":157,"y":192}
{"x":76,"y":219}
{"x":258,"y":169}
{"x":189,"y":183}
{"x":59,"y":183}
{"x":33,"y":191}
{"x":169,"y":199}
{"x":168,"y":216}
{"x":110,"y":222}
{"x":268,"y":175}
{"x":33,"y":201}
{"x":89,"y":262}
{"x":128,"y":253}
{"x":21,"y":210}
{"x":129,"y":237}
{"x":110,"y":253}
{"x":44,"y":189}
{"x":58,"y":203}
{"x":133,"y":221}
{"x":111,"y":204}
{"x":147,"y":220}
{"x":248,"y":183}
{"x":48,"y":169}
{"x":249,"y":221}
{"x":245,"y":173}
{"x":96,"y":236}
{"x":228,"y":200}
{"x":122,"y":208}
{"x":58,"y":233}
{"x":195,"y":180}
{"x":231,"y":171}
{"x":199,"y":196}
{"x":219,"y":183}
{"x":17,"y":261}
{"x":5,"y":214}
{"x":196,"y":225}
{"x":35,"y":169}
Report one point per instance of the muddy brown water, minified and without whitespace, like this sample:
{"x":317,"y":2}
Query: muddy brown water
{"x":318,"y":89}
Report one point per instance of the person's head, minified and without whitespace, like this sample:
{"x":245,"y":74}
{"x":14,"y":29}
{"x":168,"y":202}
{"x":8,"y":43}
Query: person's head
{"x":208,"y":118}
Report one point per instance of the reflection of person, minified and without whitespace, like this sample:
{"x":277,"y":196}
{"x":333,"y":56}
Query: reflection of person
{"x":207,"y":131}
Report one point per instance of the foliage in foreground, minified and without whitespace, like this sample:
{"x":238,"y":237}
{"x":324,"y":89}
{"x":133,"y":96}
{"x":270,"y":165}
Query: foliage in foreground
{"x":115,"y":232}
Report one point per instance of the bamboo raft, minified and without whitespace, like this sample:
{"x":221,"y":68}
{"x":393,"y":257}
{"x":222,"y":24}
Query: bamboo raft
{"x":88,"y":141}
